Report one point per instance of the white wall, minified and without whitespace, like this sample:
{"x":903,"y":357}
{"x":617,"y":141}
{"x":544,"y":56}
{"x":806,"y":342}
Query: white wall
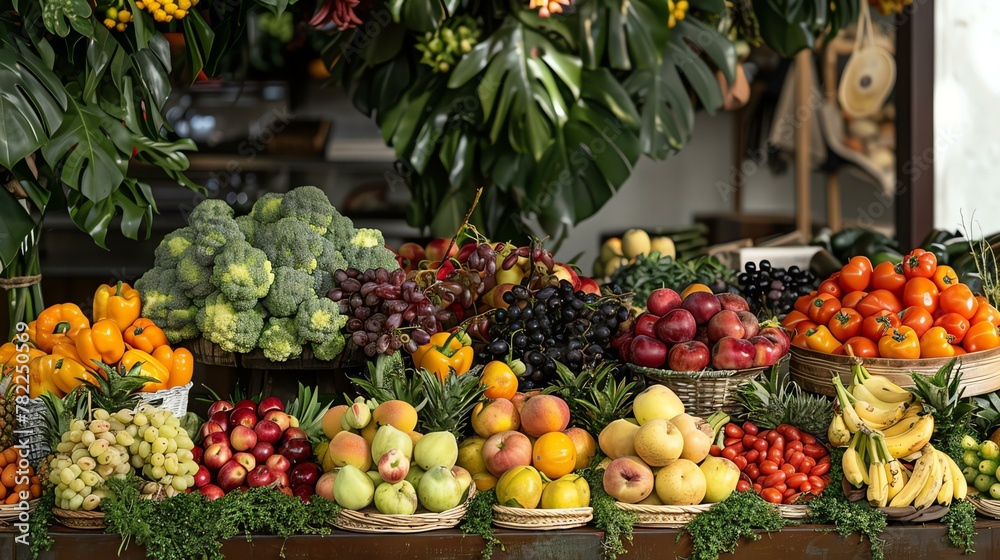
{"x":967,"y":114}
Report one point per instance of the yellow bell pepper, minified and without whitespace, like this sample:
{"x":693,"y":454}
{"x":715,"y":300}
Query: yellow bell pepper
{"x":66,"y":350}
{"x":119,"y":303}
{"x":520,"y":487}
{"x":443,"y":354}
{"x":101,"y":343}
{"x":568,"y":491}
{"x":151,"y":367}
{"x":143,"y":334}
{"x":40,"y":381}
{"x":57,"y":323}
{"x":179,"y":362}
{"x":65,"y":373}
{"x":9,"y":352}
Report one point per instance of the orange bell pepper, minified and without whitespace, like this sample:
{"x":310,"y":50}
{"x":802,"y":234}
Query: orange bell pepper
{"x":143,"y":334}
{"x":981,"y":336}
{"x":119,"y":303}
{"x":67,"y":350}
{"x":937,"y":343}
{"x":179,"y":362}
{"x":150,"y":367}
{"x":57,"y":323}
{"x":101,"y":343}
{"x":40,"y":379}
{"x":445,"y":352}
{"x":821,"y":339}
{"x":900,"y":343}
{"x":65,"y":373}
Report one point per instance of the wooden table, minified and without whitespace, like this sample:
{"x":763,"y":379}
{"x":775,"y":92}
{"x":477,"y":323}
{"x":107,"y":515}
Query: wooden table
{"x":806,"y":541}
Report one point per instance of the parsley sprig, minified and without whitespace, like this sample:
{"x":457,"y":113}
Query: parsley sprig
{"x":720,"y":529}
{"x":479,"y":520}
{"x":616,"y":524}
{"x":961,"y":522}
{"x":832,"y":508}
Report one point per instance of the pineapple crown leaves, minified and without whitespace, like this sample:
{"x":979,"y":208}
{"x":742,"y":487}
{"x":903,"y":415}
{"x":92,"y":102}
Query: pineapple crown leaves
{"x":387,"y":380}
{"x":943,"y":392}
{"x":594,"y":396}
{"x":307,"y":409}
{"x":771,"y":399}
{"x":116,"y":388}
{"x":449,"y":403}
{"x":59,"y":412}
{"x":987,"y":418}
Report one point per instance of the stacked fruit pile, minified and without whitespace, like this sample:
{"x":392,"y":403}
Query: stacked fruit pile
{"x":17,"y":483}
{"x":698,"y":329}
{"x":881,"y":425}
{"x":913,"y":310}
{"x":982,"y":461}
{"x":663,"y":437}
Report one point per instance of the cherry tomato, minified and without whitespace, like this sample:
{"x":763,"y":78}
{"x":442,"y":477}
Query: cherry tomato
{"x":856,"y":274}
{"x":751,"y":456}
{"x":919,"y":264}
{"x":959,"y":299}
{"x":819,"y":470}
{"x":945,"y":277}
{"x":787,"y":469}
{"x":808,"y":439}
{"x":748,"y":441}
{"x":738,"y":446}
{"x":778,"y":442}
{"x":776,"y":455}
{"x":805,"y":487}
{"x":772,"y":435}
{"x":860,"y":346}
{"x":740,"y":462}
{"x":731,"y":440}
{"x":750,"y":428}
{"x":802,"y":303}
{"x":743,"y":486}
{"x":921,"y":292}
{"x":796,"y":459}
{"x":729,"y":453}
{"x":757,"y":488}
{"x":814,"y":451}
{"x":981,"y":336}
{"x":791,"y":498}
{"x":851,"y":300}
{"x":733,"y":431}
{"x":886,"y":277}
{"x":817,"y":483}
{"x":715,"y":451}
{"x":771,"y":495}
{"x":985,"y":312}
{"x":768,"y":467}
{"x":823,"y":307}
{"x":774,"y":479}
{"x":760,"y":445}
{"x":830,"y":286}
{"x":846,"y":324}
{"x":781,"y":487}
{"x":796,"y":480}
{"x":878,"y":300}
{"x":807,"y":466}
{"x":917,"y":318}
{"x":823,"y":459}
{"x":795,"y":445}
{"x":788,"y":455}
{"x":752,"y":471}
{"x":877,"y":324}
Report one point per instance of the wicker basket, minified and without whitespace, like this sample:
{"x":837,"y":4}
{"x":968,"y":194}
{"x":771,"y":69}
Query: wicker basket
{"x":909,"y":514}
{"x":30,"y":433}
{"x":704,"y":392}
{"x":174,"y":399}
{"x":985,"y":506}
{"x":12,"y":513}
{"x":813,"y":371}
{"x":793,"y":511}
{"x":370,"y":520}
{"x":207,"y":352}
{"x":541,"y":519}
{"x":664,"y":516}
{"x":91,"y":520}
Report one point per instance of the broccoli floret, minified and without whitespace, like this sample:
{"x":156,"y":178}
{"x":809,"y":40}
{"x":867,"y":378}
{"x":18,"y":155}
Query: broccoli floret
{"x":232,"y":330}
{"x":193,"y":277}
{"x":322,"y":281}
{"x":367,"y":250}
{"x":247,"y":227}
{"x":309,"y":205}
{"x":210,"y":208}
{"x":341,"y":229}
{"x":331,"y":259}
{"x":169,"y":251}
{"x":243,"y":274}
{"x":160,"y":293}
{"x":368,"y":237}
{"x":318,"y":320}
{"x":289,"y":242}
{"x":329,"y":349}
{"x":267,"y":209}
{"x":211,"y":236}
{"x":290,"y":288}
{"x":181,"y":324}
{"x":279,"y":340}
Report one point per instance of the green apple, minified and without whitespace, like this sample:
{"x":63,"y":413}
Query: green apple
{"x":376,"y":477}
{"x":388,"y":437}
{"x":439,"y":490}
{"x":721,"y":476}
{"x":414,"y":476}
{"x":436,"y":449}
{"x":989,"y":450}
{"x":971,"y":458}
{"x":353,"y":488}
{"x":995,"y":490}
{"x":983,"y":483}
{"x":399,"y":498}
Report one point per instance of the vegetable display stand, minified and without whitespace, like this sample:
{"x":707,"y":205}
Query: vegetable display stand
{"x":370,"y":520}
{"x":541,"y":519}
{"x":811,"y":370}
{"x":664,"y":516}
{"x":705,"y":392}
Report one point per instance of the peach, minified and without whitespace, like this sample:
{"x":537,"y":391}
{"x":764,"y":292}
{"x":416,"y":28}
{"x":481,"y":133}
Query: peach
{"x":543,"y":414}
{"x":400,"y":414}
{"x":493,"y":417}
{"x":369,"y":431}
{"x":484,"y":481}
{"x":324,"y":486}
{"x":436,"y":249}
{"x":585,"y":446}
{"x":350,"y":449}
{"x":518,"y":399}
{"x":415,"y":437}
{"x":331,"y":420}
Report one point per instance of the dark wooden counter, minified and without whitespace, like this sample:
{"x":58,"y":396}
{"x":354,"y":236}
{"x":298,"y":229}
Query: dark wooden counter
{"x":902,"y":542}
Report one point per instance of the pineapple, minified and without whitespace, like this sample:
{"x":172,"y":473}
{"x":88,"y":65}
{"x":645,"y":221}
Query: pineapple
{"x":387,"y":381}
{"x":8,"y":409}
{"x":942,"y":393}
{"x":307,"y":410}
{"x":594,"y":396}
{"x":773,"y":400}
{"x":448,"y":405}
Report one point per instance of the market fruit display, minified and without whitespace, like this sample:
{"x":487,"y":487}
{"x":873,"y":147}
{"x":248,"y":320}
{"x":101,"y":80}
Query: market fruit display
{"x":916,"y":309}
{"x":17,"y":483}
{"x":648,"y":273}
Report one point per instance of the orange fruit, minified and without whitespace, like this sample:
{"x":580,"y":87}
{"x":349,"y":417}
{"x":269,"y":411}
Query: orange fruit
{"x":11,"y":455}
{"x":9,"y":476}
{"x":554,"y":454}
{"x":500,"y":381}
{"x":12,"y":499}
{"x":695,"y":288}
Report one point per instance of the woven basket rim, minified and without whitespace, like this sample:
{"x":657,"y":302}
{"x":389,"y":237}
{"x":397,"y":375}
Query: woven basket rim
{"x":77,"y":514}
{"x":31,"y":503}
{"x":919,"y":362}
{"x":386,"y":522}
{"x":664,"y":509}
{"x":539,"y":512}
{"x":657,"y":373}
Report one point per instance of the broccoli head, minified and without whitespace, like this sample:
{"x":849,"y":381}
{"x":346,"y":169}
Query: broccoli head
{"x":322,"y":281}
{"x":210,"y":208}
{"x":290,"y":288}
{"x":160,"y":293}
{"x":309,"y":205}
{"x":169,"y":251}
{"x":341,"y":229}
{"x":267,"y":209}
{"x":211,"y":236}
{"x":232,"y":330}
{"x":318,"y":320}
{"x":193,"y":277}
{"x":243,"y":274}
{"x":367,"y":250}
{"x":329,"y":349}
{"x":279,"y":341}
{"x":289,"y":242}
{"x":247,"y":227}
{"x":181,"y":324}
{"x":331,"y":259}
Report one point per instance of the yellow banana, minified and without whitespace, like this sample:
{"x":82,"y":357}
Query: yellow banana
{"x":894,"y":477}
{"x":912,"y":440}
{"x":878,"y":487}
{"x":904,"y":473}
{"x":878,"y":418}
{"x":928,"y":494}
{"x":864,"y":459}
{"x":851,"y":464}
{"x":961,"y":489}
{"x":887,"y":391}
{"x":837,"y":433}
{"x":947,"y":491}
{"x":908,"y":420}
{"x":921,"y":472}
{"x":861,"y":393}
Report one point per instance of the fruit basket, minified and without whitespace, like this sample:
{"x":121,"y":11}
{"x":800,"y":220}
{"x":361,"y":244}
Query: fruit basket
{"x":209,"y":353}
{"x":369,"y":520}
{"x":905,"y":514}
{"x":793,"y":511}
{"x":11,"y":513}
{"x":985,"y":506}
{"x":704,"y":392}
{"x":174,"y":400}
{"x":90,"y":520}
{"x":811,"y":370}
{"x":34,"y":438}
{"x":541,"y":519}
{"x":664,"y":516}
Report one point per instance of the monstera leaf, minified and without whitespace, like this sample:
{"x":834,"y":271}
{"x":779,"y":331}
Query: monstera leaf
{"x":32,"y":101}
{"x":619,"y":32}
{"x":789,"y":26}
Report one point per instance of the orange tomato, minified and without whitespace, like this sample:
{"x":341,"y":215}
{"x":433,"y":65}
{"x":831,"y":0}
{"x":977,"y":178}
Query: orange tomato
{"x":856,"y":274}
{"x":985,"y":312}
{"x":831,"y":286}
{"x":877,"y":324}
{"x":793,"y":318}
{"x":921,"y":292}
{"x":803,"y":302}
{"x":945,"y":277}
{"x":851,"y":300}
{"x":981,"y":336}
{"x":554,"y":454}
{"x":846,"y":324}
{"x":958,"y":350}
{"x":955,"y":324}
{"x":959,"y":299}
{"x":917,"y":318}
{"x":499,"y":379}
{"x":936,"y":343}
{"x":876,"y":301}
{"x":695,"y":288}
{"x":886,"y":277}
{"x":900,"y":343}
{"x":823,"y":307}
{"x":860,"y":346}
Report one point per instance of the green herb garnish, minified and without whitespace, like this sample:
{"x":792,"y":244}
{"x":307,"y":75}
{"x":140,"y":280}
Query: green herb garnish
{"x":832,"y":508}
{"x":961,"y":522}
{"x":615,"y":523}
{"x":720,"y":529}
{"x":40,"y":521}
{"x":479,"y":520}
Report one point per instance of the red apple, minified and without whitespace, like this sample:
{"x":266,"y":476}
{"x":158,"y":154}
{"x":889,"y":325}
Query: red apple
{"x":294,"y":433}
{"x":217,"y":455}
{"x":231,"y":475}
{"x":246,"y":459}
{"x":297,"y":450}
{"x":260,"y":476}
{"x":242,"y":438}
{"x":282,"y":478}
{"x":662,"y":301}
{"x":303,"y":492}
{"x":589,"y":286}
{"x":733,"y":302}
{"x":564,"y":272}
{"x":243,"y":417}
{"x":262,"y":451}
{"x":393,"y":466}
{"x":211,"y":492}
{"x":197,"y":453}
{"x":222,"y":417}
{"x":702,"y":336}
{"x":278,"y":462}
{"x":214,"y":438}
{"x":733,"y":353}
{"x":677,"y":325}
{"x":246,"y":403}
{"x":306,"y":473}
{"x":211,"y":427}
{"x":647,"y":351}
{"x":689,"y":356}
{"x":750,"y":324}
{"x":267,"y":431}
{"x":413,"y":253}
{"x":725,"y":323}
{"x":269,"y":404}
{"x":645,"y":325}
{"x":777,"y":335}
{"x":767,"y":351}
{"x":702,"y":305}
{"x":219,"y":406}
{"x":202,"y":477}
{"x":437,"y":247}
{"x":506,"y":450}
{"x":621,"y":343}
{"x":279,"y":418}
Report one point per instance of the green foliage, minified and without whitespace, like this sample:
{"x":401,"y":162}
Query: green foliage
{"x":953,"y":416}
{"x":39,"y":530}
{"x":961,"y":522}
{"x":788,"y":26}
{"x":987,"y":418}
{"x":832,"y":508}
{"x":616,"y":524}
{"x":594,"y":396}
{"x":737,"y":517}
{"x":479,"y":520}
